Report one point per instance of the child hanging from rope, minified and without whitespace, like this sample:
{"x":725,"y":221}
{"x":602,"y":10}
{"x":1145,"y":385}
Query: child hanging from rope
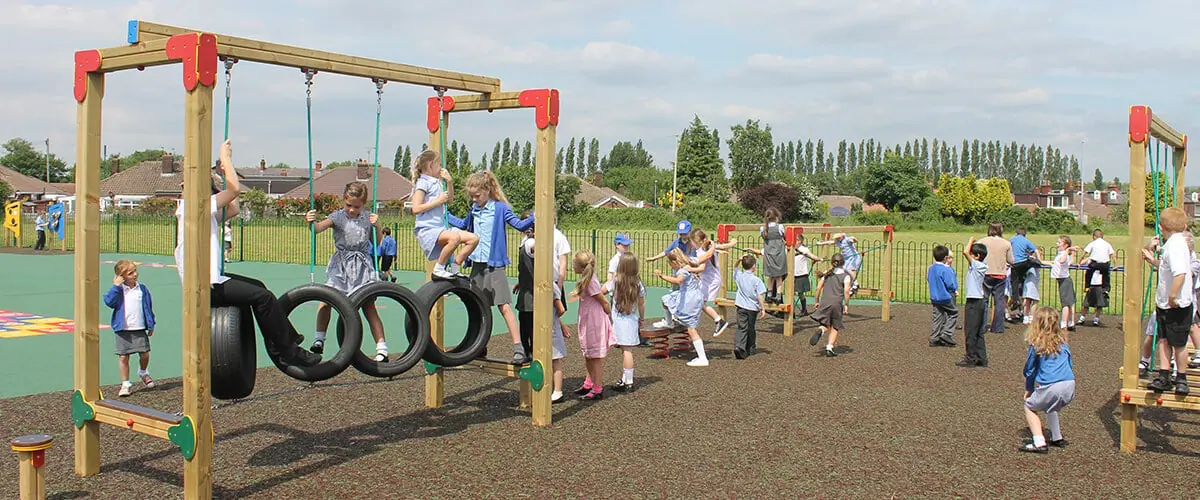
{"x":489,"y":212}
{"x":1049,"y":379}
{"x":429,"y":201}
{"x":832,"y":291}
{"x":350,"y":267}
{"x":850,"y":255}
{"x":683,"y":306}
{"x":711,"y":282}
{"x":1173,"y":302}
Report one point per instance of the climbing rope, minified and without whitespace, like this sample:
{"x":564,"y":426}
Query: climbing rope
{"x":229,"y":62}
{"x":375,"y":175}
{"x":312,"y":202}
{"x":441,"y":93}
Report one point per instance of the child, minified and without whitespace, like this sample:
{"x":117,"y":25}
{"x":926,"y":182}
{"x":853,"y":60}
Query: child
{"x":1049,"y":379}
{"x":1066,"y":289}
{"x":851,"y":257}
{"x":40,"y":224}
{"x":228,"y":241}
{"x":774,"y":254}
{"x":751,"y":306}
{"x":1098,"y":261}
{"x":132,"y":322}
{"x":621,"y":243}
{"x":943,"y":288}
{"x":489,"y":213}
{"x":832,"y":290}
{"x":802,"y":265}
{"x":975,"y":315}
{"x":429,"y":200}
{"x":711,"y":283}
{"x":387,"y":255}
{"x":350,"y":266}
{"x":1173,"y":302}
{"x":683,"y":306}
{"x":595,"y":325}
{"x":628,"y":292}
{"x":227,"y":289}
{"x":524,"y":290}
{"x":1031,"y":293}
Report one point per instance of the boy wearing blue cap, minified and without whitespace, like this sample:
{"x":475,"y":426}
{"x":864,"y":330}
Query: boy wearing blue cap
{"x":683,"y":228}
{"x":621,"y":241}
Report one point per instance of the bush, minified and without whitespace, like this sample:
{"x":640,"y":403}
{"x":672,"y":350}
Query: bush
{"x":157,"y":206}
{"x":708,"y":214}
{"x":1048,"y":220}
{"x":776,"y":195}
{"x":255,"y":203}
{"x":620,"y":218}
{"x":291,"y":207}
{"x":877,"y":218}
{"x":1012,"y":218}
{"x":930,"y":211}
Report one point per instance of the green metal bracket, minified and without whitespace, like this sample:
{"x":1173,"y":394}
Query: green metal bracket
{"x":184,"y":436}
{"x":431,"y":368}
{"x":534,"y":374}
{"x":81,"y":411}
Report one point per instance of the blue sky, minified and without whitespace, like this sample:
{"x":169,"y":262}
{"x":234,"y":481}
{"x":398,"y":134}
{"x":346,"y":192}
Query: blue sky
{"x":1048,"y":72}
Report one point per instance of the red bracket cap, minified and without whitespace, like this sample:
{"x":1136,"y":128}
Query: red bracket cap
{"x":723,"y":231}
{"x":545,"y":105}
{"x":198,"y":52}
{"x":1139,"y":123}
{"x":86,"y":61}
{"x":790,"y":233}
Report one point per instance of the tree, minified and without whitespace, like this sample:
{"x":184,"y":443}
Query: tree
{"x":406,"y":163}
{"x":452,"y":157}
{"x":6,"y":190}
{"x":852,"y":159}
{"x":972,"y":201}
{"x":23,"y":157}
{"x":896,"y":183}
{"x":558,"y":161}
{"x":776,"y":195}
{"x":495,"y":157}
{"x":483,"y":163}
{"x":254,"y":202}
{"x":698,"y":162}
{"x":809,"y":161}
{"x":1098,"y":180}
{"x":527,"y":155}
{"x":399,"y":159}
{"x":580,"y":157}
{"x":820,"y":166}
{"x":506,"y":151}
{"x":1165,"y":196}
{"x":1076,"y":174}
{"x":841,"y":158}
{"x":923,"y":156}
{"x":640,"y":183}
{"x":569,"y":168}
{"x":593,"y":160}
{"x":464,"y":160}
{"x":750,"y":150}
{"x":626,"y":154}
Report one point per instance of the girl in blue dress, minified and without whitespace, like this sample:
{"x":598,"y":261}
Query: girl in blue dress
{"x":683,"y":306}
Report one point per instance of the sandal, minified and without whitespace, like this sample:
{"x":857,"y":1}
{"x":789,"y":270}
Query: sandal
{"x":1030,"y":448}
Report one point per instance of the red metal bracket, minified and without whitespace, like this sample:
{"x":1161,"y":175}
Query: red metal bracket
{"x":433,"y":107}
{"x":86,"y":61}
{"x":198,"y":52}
{"x":723,"y":231}
{"x":1139,"y":123}
{"x":789,"y":235}
{"x":545,"y":105}
{"x":39,"y":458}
{"x":889,"y":231}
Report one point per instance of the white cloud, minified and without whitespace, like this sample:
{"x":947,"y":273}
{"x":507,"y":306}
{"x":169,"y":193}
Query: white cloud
{"x":618,"y":28}
{"x":780,"y":70}
{"x":1023,"y":98}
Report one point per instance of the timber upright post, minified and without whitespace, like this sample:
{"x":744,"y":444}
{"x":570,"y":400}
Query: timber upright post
{"x":31,"y":455}
{"x":885,"y":287}
{"x":545,"y":104}
{"x":790,"y":236}
{"x":437,"y":121}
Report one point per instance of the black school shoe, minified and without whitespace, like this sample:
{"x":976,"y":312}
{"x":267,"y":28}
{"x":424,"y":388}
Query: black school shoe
{"x":621,"y":386}
{"x":1181,"y":386}
{"x":318,"y":347}
{"x":1058,"y":443}
{"x":1161,"y":384}
{"x":739,"y":354}
{"x":1030,"y":448}
{"x":829,"y":353}
{"x":971,"y":363}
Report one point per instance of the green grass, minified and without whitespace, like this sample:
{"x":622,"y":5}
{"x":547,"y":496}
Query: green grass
{"x":287,"y":241}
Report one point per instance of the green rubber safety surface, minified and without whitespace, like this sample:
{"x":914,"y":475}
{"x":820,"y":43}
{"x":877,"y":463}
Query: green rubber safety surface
{"x":43,"y":284}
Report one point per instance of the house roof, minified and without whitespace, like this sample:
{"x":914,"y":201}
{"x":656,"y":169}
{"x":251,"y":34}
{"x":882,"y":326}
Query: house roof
{"x":840,"y":201}
{"x":66,"y":187}
{"x":392,"y":186}
{"x":594,"y":195}
{"x":144,"y":179}
{"x":301,"y":173}
{"x":23,"y":184}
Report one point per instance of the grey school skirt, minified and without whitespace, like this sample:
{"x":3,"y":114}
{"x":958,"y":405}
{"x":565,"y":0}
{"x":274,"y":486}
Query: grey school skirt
{"x":131,"y":341}
{"x":1066,"y":292}
{"x":1051,"y":398}
{"x":492,"y":282}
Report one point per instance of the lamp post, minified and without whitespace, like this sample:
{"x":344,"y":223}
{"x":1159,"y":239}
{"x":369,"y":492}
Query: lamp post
{"x":675,"y":176}
{"x":1081,"y":215}
{"x":47,"y":161}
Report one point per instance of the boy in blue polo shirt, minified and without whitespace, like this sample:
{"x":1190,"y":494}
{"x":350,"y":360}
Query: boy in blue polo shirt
{"x":751,"y":307}
{"x":943,"y":287}
{"x":974,"y":320}
{"x":1025,"y":257}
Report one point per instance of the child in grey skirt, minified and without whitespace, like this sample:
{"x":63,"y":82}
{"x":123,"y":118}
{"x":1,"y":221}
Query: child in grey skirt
{"x":132,"y":322}
{"x":1049,"y":379}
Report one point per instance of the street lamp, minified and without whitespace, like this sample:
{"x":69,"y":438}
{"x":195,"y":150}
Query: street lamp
{"x":47,"y":161}
{"x":675,"y":176}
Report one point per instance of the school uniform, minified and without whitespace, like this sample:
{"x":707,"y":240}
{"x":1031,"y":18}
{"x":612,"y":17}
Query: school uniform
{"x":1099,"y":252}
{"x":749,"y":288}
{"x":942,"y":285}
{"x":132,"y":317}
{"x":975,"y":313}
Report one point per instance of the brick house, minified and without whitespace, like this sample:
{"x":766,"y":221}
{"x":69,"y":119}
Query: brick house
{"x":392,"y":186}
{"x":38,"y":194}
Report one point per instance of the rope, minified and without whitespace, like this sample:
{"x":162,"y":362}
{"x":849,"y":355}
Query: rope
{"x":312,"y":202}
{"x":375,"y":176}
{"x":441,"y":92}
{"x":229,"y":62}
{"x":872,"y":249}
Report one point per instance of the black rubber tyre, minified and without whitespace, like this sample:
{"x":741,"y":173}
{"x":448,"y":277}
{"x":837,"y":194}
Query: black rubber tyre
{"x":234,"y":355}
{"x":479,"y":321}
{"x":416,"y":327}
{"x":347,"y":348}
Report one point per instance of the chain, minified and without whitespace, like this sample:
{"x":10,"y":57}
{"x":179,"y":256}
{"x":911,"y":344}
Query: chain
{"x":229,"y":62}
{"x":308,"y":83}
{"x":379,"y":95}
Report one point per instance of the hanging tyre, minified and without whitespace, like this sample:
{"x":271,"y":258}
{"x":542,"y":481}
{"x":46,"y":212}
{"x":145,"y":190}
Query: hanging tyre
{"x":416,"y":326}
{"x":479,"y":321}
{"x":234,"y":355}
{"x":349,"y":342}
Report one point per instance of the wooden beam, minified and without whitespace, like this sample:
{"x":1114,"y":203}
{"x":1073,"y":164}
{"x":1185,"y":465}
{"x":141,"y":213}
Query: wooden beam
{"x":139,"y":55}
{"x":1145,"y":397}
{"x":885,"y":288}
{"x":814,"y":228}
{"x":543,"y":268}
{"x":1160,"y":129}
{"x":87,"y":269}
{"x":1131,"y":318}
{"x":435,"y":383}
{"x":789,"y":293}
{"x":285,"y":55}
{"x":197,"y":319}
{"x":141,"y":424}
{"x":487,"y":102}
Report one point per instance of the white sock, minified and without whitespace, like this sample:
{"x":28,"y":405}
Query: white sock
{"x":1055,"y":430}
{"x":1062,"y":324}
{"x":439,"y":267}
{"x":1146,"y":360}
{"x":828,"y":347}
{"x":627,"y":376}
{"x":1039,"y":441}
{"x":143,"y":373}
{"x":319,"y":336}
{"x":556,"y":395}
{"x":699,"y":345}
{"x":381,"y":347}
{"x":127,"y":383}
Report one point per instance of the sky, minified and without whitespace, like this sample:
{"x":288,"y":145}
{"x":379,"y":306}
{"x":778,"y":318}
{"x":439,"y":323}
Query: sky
{"x":1062,"y":72}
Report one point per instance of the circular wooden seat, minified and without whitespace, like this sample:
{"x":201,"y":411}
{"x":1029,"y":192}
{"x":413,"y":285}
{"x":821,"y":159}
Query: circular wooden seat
{"x":33,"y":442}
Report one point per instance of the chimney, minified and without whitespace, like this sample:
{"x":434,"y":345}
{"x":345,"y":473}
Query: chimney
{"x":1112,"y":186}
{"x":364,"y":171}
{"x":598,"y":181}
{"x":262,"y":165}
{"x":168,"y":163}
{"x":115,"y":163}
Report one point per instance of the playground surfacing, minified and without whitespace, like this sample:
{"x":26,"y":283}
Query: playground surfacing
{"x":888,"y":417}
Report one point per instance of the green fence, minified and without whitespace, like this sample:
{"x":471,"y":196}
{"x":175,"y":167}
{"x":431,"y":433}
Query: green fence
{"x":287,"y":241}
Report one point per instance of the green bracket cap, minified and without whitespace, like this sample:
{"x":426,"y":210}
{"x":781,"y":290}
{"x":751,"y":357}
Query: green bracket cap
{"x":81,"y":411}
{"x":431,"y":368}
{"x":534,"y":374}
{"x":184,"y":436}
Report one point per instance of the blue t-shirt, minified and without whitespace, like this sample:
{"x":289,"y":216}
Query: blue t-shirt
{"x":485,"y":218}
{"x":434,"y":217}
{"x":749,"y":288}
{"x":846,"y":245}
{"x":973,"y":286}
{"x":1022,"y":248}
{"x":680,"y":244}
{"x":1046,"y":370}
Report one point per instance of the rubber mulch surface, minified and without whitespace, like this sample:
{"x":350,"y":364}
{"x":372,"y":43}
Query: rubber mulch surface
{"x":889,"y":417}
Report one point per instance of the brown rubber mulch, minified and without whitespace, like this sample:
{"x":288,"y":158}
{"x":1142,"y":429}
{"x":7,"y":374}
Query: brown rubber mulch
{"x":889,"y":417}
{"x":31,"y":251}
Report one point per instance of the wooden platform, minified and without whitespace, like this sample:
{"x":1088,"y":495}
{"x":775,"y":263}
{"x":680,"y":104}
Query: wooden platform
{"x":1146,"y":397}
{"x":137,"y":418}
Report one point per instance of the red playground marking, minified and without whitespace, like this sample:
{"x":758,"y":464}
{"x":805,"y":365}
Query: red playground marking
{"x":17,"y":324}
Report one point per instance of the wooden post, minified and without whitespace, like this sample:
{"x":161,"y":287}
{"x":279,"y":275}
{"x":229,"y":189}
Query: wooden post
{"x":885,"y":288}
{"x":197,"y":319}
{"x":543,"y":248}
{"x":31,"y":456}
{"x":435,"y":388}
{"x":789,"y":287}
{"x":1131,"y":318}
{"x":87,"y":268}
